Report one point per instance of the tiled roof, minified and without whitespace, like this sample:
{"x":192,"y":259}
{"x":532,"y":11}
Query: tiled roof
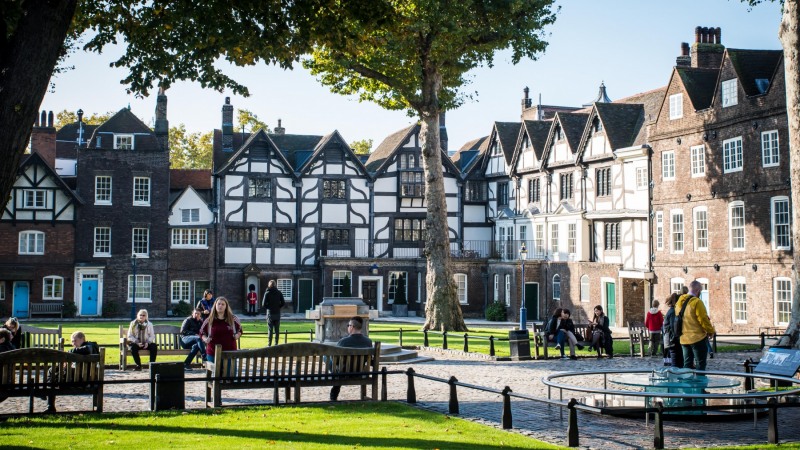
{"x":295,"y":147}
{"x":67,"y":139}
{"x":700,"y":85}
{"x":196,"y":178}
{"x":573,"y":124}
{"x":469,"y":154}
{"x":387,"y":147}
{"x":621,"y":122}
{"x":124,"y":121}
{"x":651,"y":102}
{"x":537,"y":133}
{"x":752,"y":65}
{"x":507,"y":133}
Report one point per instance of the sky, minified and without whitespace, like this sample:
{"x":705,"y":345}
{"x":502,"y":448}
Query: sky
{"x":630,"y":45}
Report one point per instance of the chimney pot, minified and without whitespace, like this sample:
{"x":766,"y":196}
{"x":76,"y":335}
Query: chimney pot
{"x":684,"y":49}
{"x":42,"y":121}
{"x":697,"y":31}
{"x":50,"y":119}
{"x":718,"y":33}
{"x":227,"y":100}
{"x":80,"y":115}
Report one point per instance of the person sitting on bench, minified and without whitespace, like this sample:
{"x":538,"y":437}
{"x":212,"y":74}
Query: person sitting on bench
{"x":354,"y":340}
{"x":80,"y":346}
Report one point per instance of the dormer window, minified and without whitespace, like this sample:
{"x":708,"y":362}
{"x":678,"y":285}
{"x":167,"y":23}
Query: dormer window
{"x":34,"y":198}
{"x":559,"y":136}
{"x":123,"y":142}
{"x":730,"y":93}
{"x":495,"y":149}
{"x":762,"y":84}
{"x":597,"y":125}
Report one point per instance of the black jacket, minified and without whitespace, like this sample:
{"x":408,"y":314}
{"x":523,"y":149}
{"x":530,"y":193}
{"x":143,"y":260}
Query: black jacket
{"x":191,"y":327}
{"x":565,"y":324}
{"x":273,"y":301}
{"x":88,"y":348}
{"x":7,"y":347}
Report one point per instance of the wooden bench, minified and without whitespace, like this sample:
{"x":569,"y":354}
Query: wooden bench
{"x":47,"y":308}
{"x":540,"y":337}
{"x":168,"y":338}
{"x":24,"y":373}
{"x":638,"y":334}
{"x":35,"y":337}
{"x":295,"y":365}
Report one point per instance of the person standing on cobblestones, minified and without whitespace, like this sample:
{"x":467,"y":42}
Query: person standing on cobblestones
{"x":654,"y":321}
{"x":273,"y":302}
{"x":697,"y":328}
{"x":673,"y":354}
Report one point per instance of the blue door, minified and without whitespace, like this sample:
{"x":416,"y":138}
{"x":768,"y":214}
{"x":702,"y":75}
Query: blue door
{"x":20,"y":308}
{"x":89,"y":297}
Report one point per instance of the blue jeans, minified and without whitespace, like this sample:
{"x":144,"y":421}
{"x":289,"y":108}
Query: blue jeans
{"x":695,"y":356}
{"x":196,"y":345}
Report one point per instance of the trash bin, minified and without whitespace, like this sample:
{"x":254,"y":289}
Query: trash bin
{"x":520,"y":344}
{"x":167,"y":386}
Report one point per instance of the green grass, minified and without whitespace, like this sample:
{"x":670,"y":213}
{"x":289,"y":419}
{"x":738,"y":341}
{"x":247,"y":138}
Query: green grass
{"x":341,"y":426}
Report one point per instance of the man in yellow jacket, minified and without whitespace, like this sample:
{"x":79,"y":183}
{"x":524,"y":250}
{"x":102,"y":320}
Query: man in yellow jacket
{"x":697,"y":328}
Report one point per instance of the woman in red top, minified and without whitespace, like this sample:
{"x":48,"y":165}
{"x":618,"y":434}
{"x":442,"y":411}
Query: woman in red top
{"x":221,"y":328}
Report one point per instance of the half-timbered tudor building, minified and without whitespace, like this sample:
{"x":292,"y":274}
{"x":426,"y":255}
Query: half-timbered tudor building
{"x":37,"y":228}
{"x":721,"y":196}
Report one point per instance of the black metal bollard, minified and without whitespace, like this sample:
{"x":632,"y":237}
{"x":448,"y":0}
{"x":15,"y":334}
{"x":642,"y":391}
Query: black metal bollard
{"x":505,"y":417}
{"x":401,"y":337}
{"x":444,"y":340}
{"x":572,"y":424}
{"x":310,"y":335}
{"x":748,"y":368}
{"x":772,"y":426}
{"x":384,"y":395}
{"x":491,"y":345}
{"x":425,"y":338}
{"x":285,"y":336}
{"x":453,"y":405}
{"x":763,"y":340}
{"x":411,"y":392}
{"x":466,"y":342}
{"x":658,"y":438}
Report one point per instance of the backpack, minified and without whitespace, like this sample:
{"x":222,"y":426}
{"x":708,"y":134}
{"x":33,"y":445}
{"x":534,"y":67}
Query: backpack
{"x":677,"y":323}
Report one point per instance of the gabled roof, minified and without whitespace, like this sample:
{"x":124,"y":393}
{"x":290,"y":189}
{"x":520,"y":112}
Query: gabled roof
{"x":507,"y":133}
{"x":125,"y":122}
{"x":621,"y":122}
{"x":469,"y":155}
{"x":699,"y":84}
{"x":651,"y":102}
{"x":381,"y":154}
{"x":196,"y":178}
{"x":35,"y":159}
{"x":751,"y":65}
{"x":261,"y":141}
{"x":178,"y":194}
{"x":332,"y":138}
{"x":537,"y":131}
{"x":572,"y":125}
{"x":67,"y":139}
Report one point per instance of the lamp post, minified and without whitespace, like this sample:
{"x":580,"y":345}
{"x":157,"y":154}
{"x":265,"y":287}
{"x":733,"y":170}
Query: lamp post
{"x":133,"y":304}
{"x":523,"y":311}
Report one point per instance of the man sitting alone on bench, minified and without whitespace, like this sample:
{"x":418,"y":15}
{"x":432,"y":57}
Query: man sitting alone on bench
{"x":80,"y":347}
{"x":354,"y":340}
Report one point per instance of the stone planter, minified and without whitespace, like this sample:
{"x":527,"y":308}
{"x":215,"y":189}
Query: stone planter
{"x":400,"y":310}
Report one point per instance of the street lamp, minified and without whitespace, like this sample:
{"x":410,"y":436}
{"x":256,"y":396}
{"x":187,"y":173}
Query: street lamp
{"x":523,"y":312}
{"x":133,"y":304}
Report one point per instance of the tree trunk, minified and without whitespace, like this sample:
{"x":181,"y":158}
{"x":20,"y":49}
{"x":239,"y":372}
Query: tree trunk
{"x":442,"y":310}
{"x":790,"y":40}
{"x":27,"y":61}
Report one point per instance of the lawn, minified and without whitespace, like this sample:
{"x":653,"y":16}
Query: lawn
{"x":341,"y":426}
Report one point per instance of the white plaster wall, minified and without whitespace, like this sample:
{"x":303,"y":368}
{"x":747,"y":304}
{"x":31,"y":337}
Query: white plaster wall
{"x":259,"y":212}
{"x":190,"y":200}
{"x":306,"y":252}
{"x":283,"y":185}
{"x":284,"y":255}
{"x":289,"y":209}
{"x":237,"y":255}
{"x":599,"y":145}
{"x":232,"y":205}
{"x":258,"y":166}
{"x":230,"y":182}
{"x":477,"y":234}
{"x":306,"y":208}
{"x":474,"y":213}
{"x":334,"y":212}
{"x":263,"y":256}
{"x":363,"y":210}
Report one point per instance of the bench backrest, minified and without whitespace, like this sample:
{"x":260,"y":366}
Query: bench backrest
{"x":31,"y":365}
{"x":36,"y":337}
{"x":295,"y":359}
{"x":167,"y":336}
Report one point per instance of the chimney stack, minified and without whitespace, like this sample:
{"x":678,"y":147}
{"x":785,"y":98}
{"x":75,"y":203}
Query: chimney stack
{"x":443,"y":140}
{"x":684,"y":60}
{"x":279,"y":130}
{"x":43,"y":138}
{"x":162,"y":124}
{"x":707,"y":49}
{"x":227,"y":126}
{"x":526,"y":101}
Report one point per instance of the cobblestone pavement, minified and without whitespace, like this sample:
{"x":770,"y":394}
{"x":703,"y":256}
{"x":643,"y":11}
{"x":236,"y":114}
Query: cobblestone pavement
{"x":523,"y":377}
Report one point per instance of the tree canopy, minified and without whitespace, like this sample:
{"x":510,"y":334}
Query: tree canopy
{"x":362,"y":147}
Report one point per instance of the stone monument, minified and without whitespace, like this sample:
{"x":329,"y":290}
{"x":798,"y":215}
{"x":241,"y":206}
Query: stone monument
{"x":332,"y":315}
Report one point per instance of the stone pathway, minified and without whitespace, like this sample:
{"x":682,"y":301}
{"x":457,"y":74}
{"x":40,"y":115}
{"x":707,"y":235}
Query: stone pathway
{"x":524,"y":377}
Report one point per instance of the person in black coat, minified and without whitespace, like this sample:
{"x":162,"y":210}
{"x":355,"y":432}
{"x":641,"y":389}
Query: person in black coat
{"x":80,"y":346}
{"x":601,"y":333}
{"x":273,"y":301}
{"x":673,"y":354}
{"x":561,"y":330}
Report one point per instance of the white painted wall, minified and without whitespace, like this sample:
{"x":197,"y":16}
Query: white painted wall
{"x":237,"y":255}
{"x":189,"y":199}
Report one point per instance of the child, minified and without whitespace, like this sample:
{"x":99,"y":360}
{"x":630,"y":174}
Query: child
{"x":252,"y":299}
{"x":5,"y":341}
{"x":654,"y":321}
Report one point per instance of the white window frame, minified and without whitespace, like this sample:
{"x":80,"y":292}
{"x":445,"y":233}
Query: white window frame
{"x":53,"y":287}
{"x":732,"y":155}
{"x":180,"y":290}
{"x":557,"y":287}
{"x":140,"y":240}
{"x":641,"y":178}
{"x":98,"y":241}
{"x":144,"y":288}
{"x":676,"y":285}
{"x":141,"y":191}
{"x":585,"y":289}
{"x":738,"y":300}
{"x":698,"y":154}
{"x":337,"y":277}
{"x":189,"y":238}
{"x":285,"y":286}
{"x":668,"y":165}
{"x":770,"y":149}
{"x":732,"y":241}
{"x":538,"y":240}
{"x":704,"y":292}
{"x":572,"y":238}
{"x":700,"y":221}
{"x":100,"y":199}
{"x":496,"y":287}
{"x":34,"y":198}
{"x":554,"y":238}
{"x":508,"y":290}
{"x":523,"y":233}
{"x":461,"y":287}
{"x":782,"y":214}
{"x":124,"y":142}
{"x":33,"y":242}
{"x":660,"y":230}
{"x":730,"y":92}
{"x":190,"y":215}
{"x":782,"y":295}
{"x":677,"y":231}
{"x":675,"y":106}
